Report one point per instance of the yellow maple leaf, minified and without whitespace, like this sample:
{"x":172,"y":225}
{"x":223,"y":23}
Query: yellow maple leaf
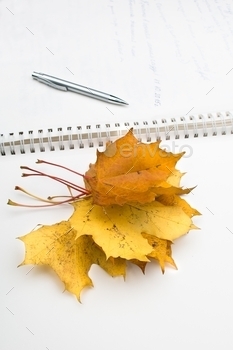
{"x":161,"y":252}
{"x":71,"y":258}
{"x":174,"y":200}
{"x":117,"y":229}
{"x":70,"y":252}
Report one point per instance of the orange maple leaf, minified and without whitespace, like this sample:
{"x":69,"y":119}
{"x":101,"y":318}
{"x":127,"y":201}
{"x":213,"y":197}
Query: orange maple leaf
{"x":129,"y":171}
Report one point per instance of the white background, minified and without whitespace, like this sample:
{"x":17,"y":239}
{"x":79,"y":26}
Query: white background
{"x":133,"y":49}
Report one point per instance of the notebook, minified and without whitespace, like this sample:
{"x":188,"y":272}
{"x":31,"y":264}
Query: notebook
{"x":172,"y":62}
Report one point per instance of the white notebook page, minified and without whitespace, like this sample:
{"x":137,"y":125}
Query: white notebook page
{"x":163,"y":58}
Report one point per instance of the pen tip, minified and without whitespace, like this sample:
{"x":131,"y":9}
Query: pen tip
{"x":117,"y":100}
{"x":124,"y":102}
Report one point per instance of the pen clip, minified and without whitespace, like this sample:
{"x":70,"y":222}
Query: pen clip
{"x":48,"y":82}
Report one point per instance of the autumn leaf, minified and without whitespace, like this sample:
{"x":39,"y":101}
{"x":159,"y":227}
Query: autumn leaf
{"x":130,"y":211}
{"x":90,"y":237}
{"x":131,"y":171}
{"x":70,"y":258}
{"x":174,"y":200}
{"x":117,"y":229}
{"x":161,"y":250}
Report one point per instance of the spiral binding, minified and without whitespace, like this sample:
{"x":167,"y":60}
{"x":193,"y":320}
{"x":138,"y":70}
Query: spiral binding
{"x":83,"y":136}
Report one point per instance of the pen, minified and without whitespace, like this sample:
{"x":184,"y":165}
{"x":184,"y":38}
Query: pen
{"x":64,"y":85}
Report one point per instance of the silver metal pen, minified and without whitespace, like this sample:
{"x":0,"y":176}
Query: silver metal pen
{"x":64,"y":85}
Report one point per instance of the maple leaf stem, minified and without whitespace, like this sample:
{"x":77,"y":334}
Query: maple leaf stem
{"x":82,"y":192}
{"x":51,"y":203}
{"x":40,"y":161}
{"x":17,"y":188}
{"x":70,"y":198}
{"x":64,"y":182}
{"x":53,"y":197}
{"x":69,"y":189}
{"x":10,"y":202}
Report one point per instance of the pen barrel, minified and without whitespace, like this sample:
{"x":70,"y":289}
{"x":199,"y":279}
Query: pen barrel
{"x":88,"y":92}
{"x":64,"y":85}
{"x":80,"y":89}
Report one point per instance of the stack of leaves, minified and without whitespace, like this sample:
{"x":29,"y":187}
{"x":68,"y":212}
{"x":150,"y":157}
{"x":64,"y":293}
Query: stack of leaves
{"x":130,"y":210}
